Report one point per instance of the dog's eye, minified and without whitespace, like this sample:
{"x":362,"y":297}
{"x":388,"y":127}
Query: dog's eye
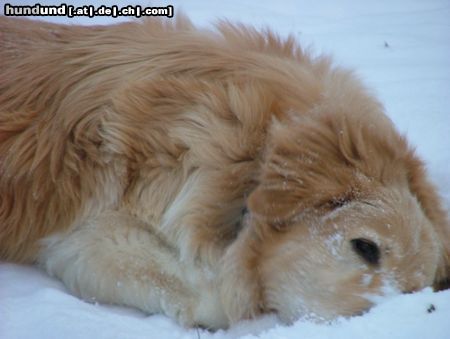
{"x":367,"y":250}
{"x":338,"y":202}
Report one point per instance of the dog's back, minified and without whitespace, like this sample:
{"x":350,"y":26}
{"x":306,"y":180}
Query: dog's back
{"x":33,"y":141}
{"x":56,"y":85}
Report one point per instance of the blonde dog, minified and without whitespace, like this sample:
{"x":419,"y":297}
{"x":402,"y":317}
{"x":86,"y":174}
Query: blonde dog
{"x":209,"y":175}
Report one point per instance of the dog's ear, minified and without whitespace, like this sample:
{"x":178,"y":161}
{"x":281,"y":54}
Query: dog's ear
{"x":430,"y":202}
{"x":303,"y":169}
{"x":275,"y":207}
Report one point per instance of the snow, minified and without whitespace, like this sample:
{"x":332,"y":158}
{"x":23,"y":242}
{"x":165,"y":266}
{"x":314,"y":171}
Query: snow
{"x":33,"y":305}
{"x":401,"y":49}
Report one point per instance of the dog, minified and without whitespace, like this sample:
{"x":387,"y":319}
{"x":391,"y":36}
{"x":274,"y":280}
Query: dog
{"x":209,"y":175}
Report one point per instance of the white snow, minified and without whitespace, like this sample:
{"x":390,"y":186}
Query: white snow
{"x":402,"y":50}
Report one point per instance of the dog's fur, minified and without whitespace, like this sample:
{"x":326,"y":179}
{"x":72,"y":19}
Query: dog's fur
{"x":211,"y":176}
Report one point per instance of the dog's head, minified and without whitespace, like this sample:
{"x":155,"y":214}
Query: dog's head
{"x":343,"y":214}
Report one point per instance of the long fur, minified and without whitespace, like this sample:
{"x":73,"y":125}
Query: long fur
{"x":146,"y":143}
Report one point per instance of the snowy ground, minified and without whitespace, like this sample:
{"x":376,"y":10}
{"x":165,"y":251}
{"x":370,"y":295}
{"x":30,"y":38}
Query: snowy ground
{"x":402,"y":50}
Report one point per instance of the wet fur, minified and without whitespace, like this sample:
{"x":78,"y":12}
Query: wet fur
{"x":129,"y":153}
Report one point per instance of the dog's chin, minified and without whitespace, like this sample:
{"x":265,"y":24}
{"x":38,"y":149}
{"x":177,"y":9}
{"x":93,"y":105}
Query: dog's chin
{"x":328,"y":305}
{"x":323,"y":307}
{"x":298,"y":310}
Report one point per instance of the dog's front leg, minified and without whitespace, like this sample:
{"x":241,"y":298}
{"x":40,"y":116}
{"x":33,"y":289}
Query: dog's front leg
{"x":114,"y":259}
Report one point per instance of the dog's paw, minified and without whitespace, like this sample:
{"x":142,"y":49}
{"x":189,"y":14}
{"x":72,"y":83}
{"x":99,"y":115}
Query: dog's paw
{"x":179,"y":309}
{"x":204,"y":311}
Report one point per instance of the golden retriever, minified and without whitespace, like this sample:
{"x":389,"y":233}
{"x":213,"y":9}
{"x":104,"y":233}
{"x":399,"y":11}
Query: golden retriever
{"x":210,"y":175}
